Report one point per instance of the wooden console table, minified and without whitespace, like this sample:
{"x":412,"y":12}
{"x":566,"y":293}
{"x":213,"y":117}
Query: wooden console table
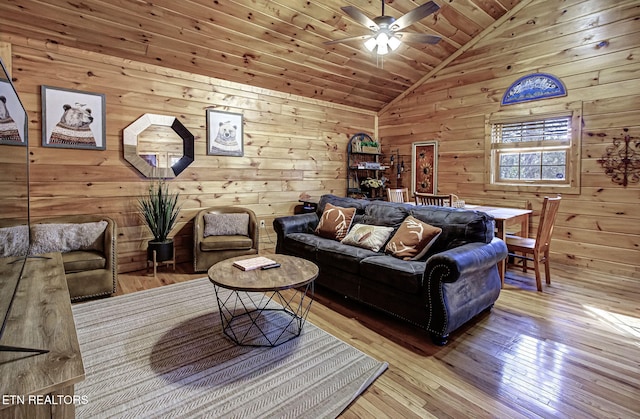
{"x":32,"y":385}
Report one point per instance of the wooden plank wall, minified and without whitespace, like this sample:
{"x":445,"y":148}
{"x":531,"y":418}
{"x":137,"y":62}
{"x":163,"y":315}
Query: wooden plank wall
{"x":293,"y":146}
{"x":593,"y":46}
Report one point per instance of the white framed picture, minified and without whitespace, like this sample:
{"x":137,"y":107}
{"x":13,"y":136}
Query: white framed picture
{"x":224,"y":133}
{"x":13,"y":118}
{"x":73,"y":119}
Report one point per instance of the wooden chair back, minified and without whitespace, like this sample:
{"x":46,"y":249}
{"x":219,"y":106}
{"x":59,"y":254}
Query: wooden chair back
{"x":432,"y":199}
{"x":522,"y":247}
{"x":547,"y":221}
{"x":398,"y":195}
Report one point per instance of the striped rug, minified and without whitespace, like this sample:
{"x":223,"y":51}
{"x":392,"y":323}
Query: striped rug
{"x":160,"y":353}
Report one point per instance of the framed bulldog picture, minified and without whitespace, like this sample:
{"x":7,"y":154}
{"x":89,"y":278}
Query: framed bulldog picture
{"x":73,"y":119}
{"x":224,"y":134}
{"x":424,"y":162}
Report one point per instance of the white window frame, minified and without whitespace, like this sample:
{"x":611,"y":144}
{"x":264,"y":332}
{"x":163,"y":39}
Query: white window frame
{"x":524,"y":114}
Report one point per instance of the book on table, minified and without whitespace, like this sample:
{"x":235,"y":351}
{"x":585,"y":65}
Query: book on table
{"x":253,"y":263}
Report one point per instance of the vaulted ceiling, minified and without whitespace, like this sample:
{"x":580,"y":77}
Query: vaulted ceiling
{"x":275,"y":44}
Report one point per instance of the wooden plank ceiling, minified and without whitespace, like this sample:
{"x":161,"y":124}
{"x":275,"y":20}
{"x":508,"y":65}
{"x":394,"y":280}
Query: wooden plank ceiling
{"x":274,"y":44}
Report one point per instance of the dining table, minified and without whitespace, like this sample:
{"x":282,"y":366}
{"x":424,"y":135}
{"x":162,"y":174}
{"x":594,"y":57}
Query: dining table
{"x":502,"y":217}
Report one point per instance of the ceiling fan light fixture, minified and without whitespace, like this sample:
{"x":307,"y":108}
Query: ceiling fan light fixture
{"x":370,"y":43}
{"x":385,"y":35}
{"x":382,"y":40}
{"x":394,"y":42}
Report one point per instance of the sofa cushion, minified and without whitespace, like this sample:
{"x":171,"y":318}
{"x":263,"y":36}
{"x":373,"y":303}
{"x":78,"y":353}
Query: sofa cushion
{"x":335,"y":222}
{"x":368,"y":236}
{"x":459,"y":226}
{"x":67,"y":237}
{"x":405,"y":276}
{"x":343,"y":257}
{"x":81,"y":260}
{"x":226,"y":243}
{"x":341,"y":201}
{"x":387,"y":214}
{"x":14,"y":241}
{"x":413,"y":239}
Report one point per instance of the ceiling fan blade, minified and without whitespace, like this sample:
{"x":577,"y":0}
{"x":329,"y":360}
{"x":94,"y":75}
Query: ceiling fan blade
{"x":351,"y":38}
{"x":421,"y":38}
{"x":360,"y":17}
{"x":415,"y":15}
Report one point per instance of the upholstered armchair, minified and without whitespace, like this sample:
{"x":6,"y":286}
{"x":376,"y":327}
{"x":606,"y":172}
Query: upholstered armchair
{"x":221,"y":233}
{"x":89,"y":252}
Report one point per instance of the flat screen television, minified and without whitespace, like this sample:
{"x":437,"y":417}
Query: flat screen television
{"x":14,"y":199}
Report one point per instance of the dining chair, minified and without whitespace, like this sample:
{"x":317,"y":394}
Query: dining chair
{"x":432,"y":199}
{"x":398,"y":195}
{"x":522,"y":247}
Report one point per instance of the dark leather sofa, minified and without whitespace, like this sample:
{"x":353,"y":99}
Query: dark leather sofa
{"x":455,"y":281}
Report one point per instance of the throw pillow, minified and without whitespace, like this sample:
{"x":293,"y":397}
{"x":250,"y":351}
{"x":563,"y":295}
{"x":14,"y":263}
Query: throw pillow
{"x":335,"y":222}
{"x":230,"y":224}
{"x":368,"y":236}
{"x":14,"y":241}
{"x":50,"y":237}
{"x":413,"y":239}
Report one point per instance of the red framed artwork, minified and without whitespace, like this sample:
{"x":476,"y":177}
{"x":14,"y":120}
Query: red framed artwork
{"x":424,"y":165}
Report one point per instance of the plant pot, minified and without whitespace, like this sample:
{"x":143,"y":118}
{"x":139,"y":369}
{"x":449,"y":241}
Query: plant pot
{"x":164,"y":250}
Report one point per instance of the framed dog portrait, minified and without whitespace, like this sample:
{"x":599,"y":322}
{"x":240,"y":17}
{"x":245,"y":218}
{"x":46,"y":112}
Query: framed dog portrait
{"x":73,"y":119}
{"x":224,"y":134}
{"x":424,"y":164}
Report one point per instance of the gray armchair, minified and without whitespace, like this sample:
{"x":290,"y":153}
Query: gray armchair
{"x":221,"y":233}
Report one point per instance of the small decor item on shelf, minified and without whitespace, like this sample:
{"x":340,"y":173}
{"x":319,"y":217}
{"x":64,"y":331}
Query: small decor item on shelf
{"x":371,"y":187}
{"x":370,"y":183}
{"x":363,"y":143}
{"x":371,"y":147}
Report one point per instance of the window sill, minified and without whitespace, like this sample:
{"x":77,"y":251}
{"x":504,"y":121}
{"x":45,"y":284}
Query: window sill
{"x":537,"y":188}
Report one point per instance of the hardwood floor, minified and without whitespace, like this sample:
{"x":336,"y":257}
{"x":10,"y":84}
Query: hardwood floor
{"x":571,"y":351}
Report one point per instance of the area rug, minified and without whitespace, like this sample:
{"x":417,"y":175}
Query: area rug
{"x":161,"y":353}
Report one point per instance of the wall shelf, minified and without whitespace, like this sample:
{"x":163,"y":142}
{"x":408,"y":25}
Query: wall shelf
{"x":363,"y":161}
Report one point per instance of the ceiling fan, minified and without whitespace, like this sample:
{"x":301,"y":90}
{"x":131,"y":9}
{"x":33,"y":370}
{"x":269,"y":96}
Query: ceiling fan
{"x":385,"y":29}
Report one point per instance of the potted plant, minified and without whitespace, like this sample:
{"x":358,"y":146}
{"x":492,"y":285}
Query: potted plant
{"x":159,"y":209}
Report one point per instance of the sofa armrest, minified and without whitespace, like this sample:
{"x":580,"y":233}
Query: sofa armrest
{"x":300,"y":223}
{"x":467,"y":259}
{"x":460,"y":283}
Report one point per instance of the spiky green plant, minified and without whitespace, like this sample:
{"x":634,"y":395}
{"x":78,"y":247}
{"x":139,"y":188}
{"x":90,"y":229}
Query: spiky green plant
{"x":159,"y":210}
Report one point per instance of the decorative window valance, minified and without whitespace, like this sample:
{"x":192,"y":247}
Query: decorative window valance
{"x":533,"y":87}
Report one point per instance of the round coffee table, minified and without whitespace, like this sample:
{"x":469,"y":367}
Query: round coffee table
{"x":253,"y":311}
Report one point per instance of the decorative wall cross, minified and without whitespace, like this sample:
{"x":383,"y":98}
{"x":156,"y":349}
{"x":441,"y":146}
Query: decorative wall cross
{"x":622,"y":160}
